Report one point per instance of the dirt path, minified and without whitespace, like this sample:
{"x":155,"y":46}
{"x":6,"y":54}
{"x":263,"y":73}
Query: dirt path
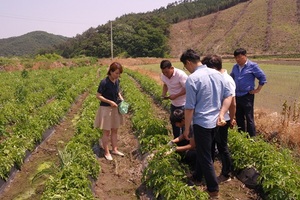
{"x":120,"y":177}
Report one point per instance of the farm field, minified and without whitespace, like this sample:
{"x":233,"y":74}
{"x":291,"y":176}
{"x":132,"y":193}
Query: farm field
{"x":277,"y":106}
{"x":283,"y":82}
{"x":120,"y":179}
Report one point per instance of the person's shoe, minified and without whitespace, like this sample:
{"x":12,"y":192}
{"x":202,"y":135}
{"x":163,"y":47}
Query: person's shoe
{"x":213,"y":195}
{"x":108,"y":157}
{"x":198,"y":183}
{"x":195,"y":182}
{"x":118,"y":153}
{"x":223,"y":179}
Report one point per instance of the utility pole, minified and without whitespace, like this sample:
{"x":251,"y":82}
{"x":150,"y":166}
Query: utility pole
{"x":111,"y":42}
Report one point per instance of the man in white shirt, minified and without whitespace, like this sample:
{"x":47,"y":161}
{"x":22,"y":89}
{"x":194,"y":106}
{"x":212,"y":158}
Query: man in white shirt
{"x":174,"y":85}
{"x":221,"y":137}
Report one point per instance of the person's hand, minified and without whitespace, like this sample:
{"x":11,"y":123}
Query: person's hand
{"x":232,"y":123}
{"x":171,"y":143}
{"x":165,"y":97}
{"x":221,"y":121}
{"x":186,"y":134}
{"x":173,"y":149}
{"x":172,"y":97}
{"x":113,"y":104}
{"x":254,"y":91}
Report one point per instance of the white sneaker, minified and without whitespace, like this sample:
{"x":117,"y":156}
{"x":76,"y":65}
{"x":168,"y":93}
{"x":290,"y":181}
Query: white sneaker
{"x":108,"y":157}
{"x":118,"y":153}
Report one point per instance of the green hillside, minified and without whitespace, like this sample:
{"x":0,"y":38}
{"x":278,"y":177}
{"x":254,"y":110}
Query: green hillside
{"x":29,"y":44}
{"x":209,"y":26}
{"x":141,"y":34}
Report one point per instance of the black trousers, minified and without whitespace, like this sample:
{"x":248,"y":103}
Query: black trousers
{"x":204,"y":165}
{"x":221,"y":141}
{"x":245,"y":114}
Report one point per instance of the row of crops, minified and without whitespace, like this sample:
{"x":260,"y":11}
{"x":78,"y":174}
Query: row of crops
{"x":20,"y":132}
{"x":279,"y":172}
{"x":79,"y":165}
{"x":32,"y":102}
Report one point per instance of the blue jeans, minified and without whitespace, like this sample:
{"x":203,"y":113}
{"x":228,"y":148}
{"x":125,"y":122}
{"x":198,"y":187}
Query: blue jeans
{"x":204,"y":165}
{"x":245,"y":114}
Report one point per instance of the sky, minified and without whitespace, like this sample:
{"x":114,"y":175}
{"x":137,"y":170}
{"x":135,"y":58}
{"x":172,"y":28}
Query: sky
{"x":66,"y":17}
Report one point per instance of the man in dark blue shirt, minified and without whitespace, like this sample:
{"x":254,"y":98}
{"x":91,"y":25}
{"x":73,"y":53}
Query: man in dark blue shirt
{"x":244,"y":73}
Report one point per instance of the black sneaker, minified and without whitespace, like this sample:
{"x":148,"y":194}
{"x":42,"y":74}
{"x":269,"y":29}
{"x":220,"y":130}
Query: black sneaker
{"x":192,"y":181}
{"x":213,"y":195}
{"x":223,"y":179}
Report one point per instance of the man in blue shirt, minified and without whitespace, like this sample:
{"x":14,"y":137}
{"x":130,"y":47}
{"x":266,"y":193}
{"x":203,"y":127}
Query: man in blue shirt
{"x":244,"y":73}
{"x":207,"y":101}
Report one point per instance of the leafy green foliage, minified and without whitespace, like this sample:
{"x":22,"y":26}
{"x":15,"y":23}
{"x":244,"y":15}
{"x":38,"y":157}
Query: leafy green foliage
{"x":135,"y":39}
{"x":70,"y":183}
{"x":151,"y":87}
{"x":167,"y":176}
{"x":24,"y":73}
{"x":78,"y":162}
{"x":279,"y":173}
{"x":29,"y":111}
{"x":48,"y":56}
{"x":20,"y":93}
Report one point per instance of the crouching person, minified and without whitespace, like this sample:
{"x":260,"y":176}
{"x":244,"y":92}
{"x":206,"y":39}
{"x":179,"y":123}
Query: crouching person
{"x":186,"y":148}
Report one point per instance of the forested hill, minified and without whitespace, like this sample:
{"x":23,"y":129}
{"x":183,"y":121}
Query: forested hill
{"x":141,"y":34}
{"x":29,"y":44}
{"x":263,"y":27}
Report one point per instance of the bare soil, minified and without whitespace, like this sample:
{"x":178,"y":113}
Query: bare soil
{"x":121,"y":177}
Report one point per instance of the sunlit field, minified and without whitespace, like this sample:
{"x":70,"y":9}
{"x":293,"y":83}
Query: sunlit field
{"x":283,"y":84}
{"x":272,"y":118}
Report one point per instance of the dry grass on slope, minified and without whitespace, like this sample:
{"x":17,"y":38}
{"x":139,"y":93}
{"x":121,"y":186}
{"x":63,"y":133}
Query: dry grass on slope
{"x":262,"y":27}
{"x":279,"y":129}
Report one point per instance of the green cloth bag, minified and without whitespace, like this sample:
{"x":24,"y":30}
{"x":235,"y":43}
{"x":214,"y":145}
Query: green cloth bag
{"x":123,"y":107}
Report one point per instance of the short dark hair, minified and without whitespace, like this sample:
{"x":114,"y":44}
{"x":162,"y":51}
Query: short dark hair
{"x":189,"y":55}
{"x":177,"y":116}
{"x":165,"y":64}
{"x":212,"y":61}
{"x":239,"y":51}
{"x":114,"y":66}
{"x":206,"y":60}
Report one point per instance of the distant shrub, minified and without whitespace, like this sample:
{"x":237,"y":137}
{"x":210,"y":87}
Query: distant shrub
{"x":8,"y":61}
{"x":84,"y":61}
{"x":48,"y":56}
{"x":24,"y":73}
{"x":27,"y":63}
